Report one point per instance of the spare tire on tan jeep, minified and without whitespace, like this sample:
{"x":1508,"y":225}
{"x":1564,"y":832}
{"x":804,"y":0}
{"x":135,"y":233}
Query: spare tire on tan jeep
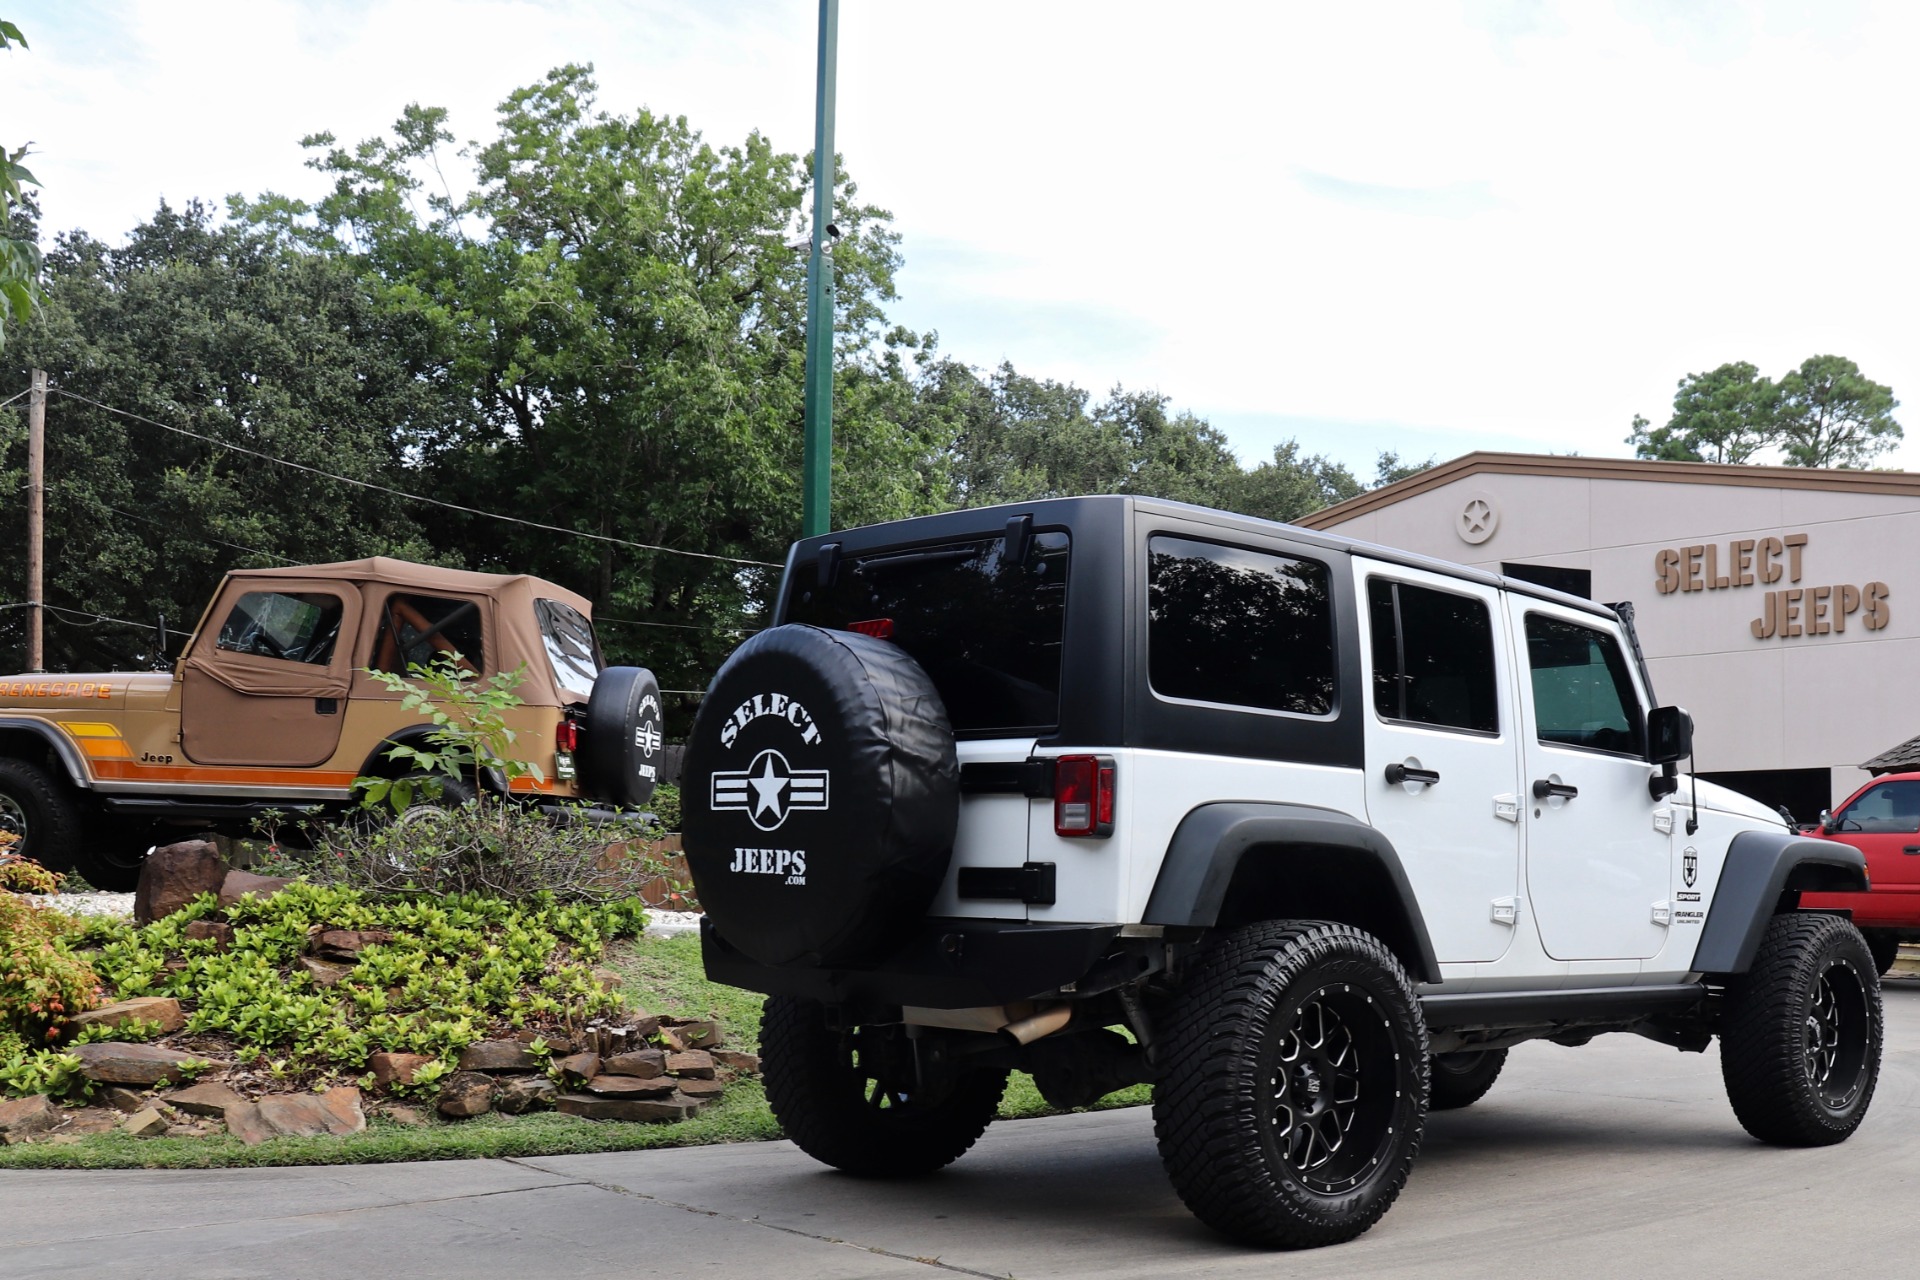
{"x":623,"y":739}
{"x":821,"y":794}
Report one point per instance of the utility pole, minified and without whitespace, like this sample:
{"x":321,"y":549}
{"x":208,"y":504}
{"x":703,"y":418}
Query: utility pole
{"x":816,"y":468}
{"x":36,"y":516}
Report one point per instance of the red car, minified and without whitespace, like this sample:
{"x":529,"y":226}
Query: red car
{"x":1882,"y":820}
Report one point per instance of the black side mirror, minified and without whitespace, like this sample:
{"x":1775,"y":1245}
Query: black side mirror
{"x":1669,"y":735}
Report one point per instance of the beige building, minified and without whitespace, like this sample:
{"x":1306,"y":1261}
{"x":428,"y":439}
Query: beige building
{"x":1780,"y":605}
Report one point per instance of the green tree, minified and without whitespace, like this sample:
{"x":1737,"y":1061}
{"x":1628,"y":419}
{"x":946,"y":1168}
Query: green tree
{"x":1832,"y":416}
{"x":20,"y":288}
{"x":1726,"y":415}
{"x":1291,"y":484}
{"x":218,"y":330}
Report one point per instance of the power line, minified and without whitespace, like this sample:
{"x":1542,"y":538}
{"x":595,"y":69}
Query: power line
{"x":80,"y":613}
{"x":411,"y":497}
{"x":15,"y":396}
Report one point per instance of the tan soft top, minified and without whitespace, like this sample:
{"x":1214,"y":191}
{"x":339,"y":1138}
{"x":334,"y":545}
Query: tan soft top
{"x":516,"y":629}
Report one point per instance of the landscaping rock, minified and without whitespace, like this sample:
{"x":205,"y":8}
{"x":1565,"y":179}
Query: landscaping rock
{"x":644,"y":1025}
{"x":345,"y":944}
{"x":683,"y":1035}
{"x":734,"y":1060}
{"x":174,"y":875}
{"x":519,"y":1094}
{"x":579,"y":1066}
{"x":588,"y":1107}
{"x":295,"y":1115}
{"x":466,"y":1093}
{"x":607,"y":979}
{"x":412,"y":1117}
{"x":145,"y":1124}
{"x":629,"y":1087}
{"x":124,"y":1100}
{"x":644,"y":1063}
{"x":695,"y":1064}
{"x":141,"y":1064}
{"x":701,"y":1089}
{"x":159,"y":1009}
{"x":344,"y":1111}
{"x":215,"y":931}
{"x":324,"y":972}
{"x":238,"y":884}
{"x":390,"y":1069}
{"x":90,"y":1120}
{"x":23,"y":1119}
{"x":246,"y":1123}
{"x":207,"y":1099}
{"x":498,"y":1055}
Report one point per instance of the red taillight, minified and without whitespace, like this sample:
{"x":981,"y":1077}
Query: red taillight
{"x":1083,"y":796}
{"x":567,"y":736}
{"x":878,"y":628}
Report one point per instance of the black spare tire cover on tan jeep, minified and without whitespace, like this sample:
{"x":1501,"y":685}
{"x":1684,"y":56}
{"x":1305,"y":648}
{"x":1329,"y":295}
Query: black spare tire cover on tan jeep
{"x":622,"y":742}
{"x":821,"y":796}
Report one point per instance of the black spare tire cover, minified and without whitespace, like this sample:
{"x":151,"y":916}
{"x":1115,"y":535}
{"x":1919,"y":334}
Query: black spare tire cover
{"x":820,"y":797}
{"x":621,"y":748}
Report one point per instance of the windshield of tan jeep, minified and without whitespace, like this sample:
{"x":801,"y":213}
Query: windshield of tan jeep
{"x":988,"y":633}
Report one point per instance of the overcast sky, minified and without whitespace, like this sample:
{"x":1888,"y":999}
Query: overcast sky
{"x":1431,"y":226}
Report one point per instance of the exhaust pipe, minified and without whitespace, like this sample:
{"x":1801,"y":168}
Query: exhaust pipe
{"x":1024,"y":1022}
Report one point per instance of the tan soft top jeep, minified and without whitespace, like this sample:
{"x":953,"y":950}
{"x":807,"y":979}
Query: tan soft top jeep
{"x":271,"y":707}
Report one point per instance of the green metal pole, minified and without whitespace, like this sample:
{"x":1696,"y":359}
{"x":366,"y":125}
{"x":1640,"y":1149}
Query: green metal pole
{"x":816,"y":471}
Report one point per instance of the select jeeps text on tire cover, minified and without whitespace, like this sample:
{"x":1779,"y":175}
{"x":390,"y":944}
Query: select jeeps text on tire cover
{"x":1305,"y":832}
{"x":271,"y":706}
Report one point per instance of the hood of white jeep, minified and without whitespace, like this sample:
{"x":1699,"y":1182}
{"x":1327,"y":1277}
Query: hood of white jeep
{"x":1715,"y":798}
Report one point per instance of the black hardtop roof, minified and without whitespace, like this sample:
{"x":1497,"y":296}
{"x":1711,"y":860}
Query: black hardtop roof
{"x":982,"y":521}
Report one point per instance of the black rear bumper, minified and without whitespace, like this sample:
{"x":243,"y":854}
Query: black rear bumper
{"x":947,"y":964}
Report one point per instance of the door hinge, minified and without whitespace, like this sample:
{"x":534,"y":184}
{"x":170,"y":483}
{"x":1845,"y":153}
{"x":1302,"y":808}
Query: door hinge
{"x":1663,"y":821}
{"x":1506,"y":910}
{"x":1663,"y":914}
{"x":1507,"y":808}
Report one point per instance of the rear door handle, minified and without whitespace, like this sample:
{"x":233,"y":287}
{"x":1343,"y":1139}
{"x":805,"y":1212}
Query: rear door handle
{"x":1399,"y":773}
{"x":1544,"y":790}
{"x":1912,"y":848}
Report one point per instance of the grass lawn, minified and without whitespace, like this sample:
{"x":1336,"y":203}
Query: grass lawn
{"x":663,"y":974}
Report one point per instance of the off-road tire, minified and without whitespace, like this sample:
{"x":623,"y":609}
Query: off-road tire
{"x":1801,"y":1034}
{"x":1462,"y":1079}
{"x":1272,"y":1025}
{"x":1884,"y":946}
{"x":841,"y":1116}
{"x":56,"y":825}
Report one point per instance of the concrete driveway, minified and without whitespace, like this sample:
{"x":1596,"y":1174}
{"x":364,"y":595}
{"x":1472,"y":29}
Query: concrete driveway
{"x":1620,"y":1158}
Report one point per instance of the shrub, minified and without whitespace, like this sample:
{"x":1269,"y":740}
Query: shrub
{"x":41,"y":983}
{"x":23,"y":875}
{"x":665,"y":806}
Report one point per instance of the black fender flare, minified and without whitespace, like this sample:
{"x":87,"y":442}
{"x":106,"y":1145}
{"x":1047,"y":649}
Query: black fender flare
{"x":61,"y":745}
{"x":1761,"y":868}
{"x":1213,"y":840}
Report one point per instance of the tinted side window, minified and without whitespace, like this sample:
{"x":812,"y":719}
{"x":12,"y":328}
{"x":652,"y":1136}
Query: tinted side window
{"x":1889,"y":807}
{"x":300,"y":627}
{"x":416,"y":629}
{"x":571,"y":650}
{"x":1582,"y":694}
{"x":1246,"y":628}
{"x":1432,"y":657}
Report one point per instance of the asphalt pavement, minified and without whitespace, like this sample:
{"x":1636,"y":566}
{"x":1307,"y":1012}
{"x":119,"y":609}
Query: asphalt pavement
{"x":1621,"y":1158}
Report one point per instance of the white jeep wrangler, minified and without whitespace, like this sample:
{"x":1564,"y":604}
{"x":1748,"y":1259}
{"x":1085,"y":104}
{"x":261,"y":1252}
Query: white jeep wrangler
{"x":1303,"y":831}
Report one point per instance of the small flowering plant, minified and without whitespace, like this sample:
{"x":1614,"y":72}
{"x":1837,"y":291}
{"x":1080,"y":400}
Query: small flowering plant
{"x":41,"y":985}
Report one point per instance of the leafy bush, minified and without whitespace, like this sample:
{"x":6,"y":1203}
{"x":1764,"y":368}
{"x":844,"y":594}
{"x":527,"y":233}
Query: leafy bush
{"x":23,"y":875}
{"x":456,"y":971}
{"x":665,"y":806}
{"x":41,"y":982}
{"x":470,"y":732}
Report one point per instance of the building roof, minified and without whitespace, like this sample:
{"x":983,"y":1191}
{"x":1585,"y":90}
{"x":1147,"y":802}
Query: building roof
{"x":1894,"y":483}
{"x":1904,"y":758}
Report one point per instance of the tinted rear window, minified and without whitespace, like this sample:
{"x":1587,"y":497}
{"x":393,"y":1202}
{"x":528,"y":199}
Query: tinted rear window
{"x":1239,"y":627}
{"x":988,"y":633}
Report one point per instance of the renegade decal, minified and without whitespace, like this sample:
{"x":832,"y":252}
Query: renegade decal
{"x":54,"y":689}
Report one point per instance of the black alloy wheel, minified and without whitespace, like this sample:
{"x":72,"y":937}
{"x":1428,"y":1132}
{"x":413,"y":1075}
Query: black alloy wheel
{"x":1294,"y":1083}
{"x":1802,"y":1031}
{"x":853,"y":1099}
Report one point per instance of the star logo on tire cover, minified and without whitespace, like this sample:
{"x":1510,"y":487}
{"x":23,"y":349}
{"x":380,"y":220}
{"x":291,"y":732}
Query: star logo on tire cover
{"x":768,"y":790}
